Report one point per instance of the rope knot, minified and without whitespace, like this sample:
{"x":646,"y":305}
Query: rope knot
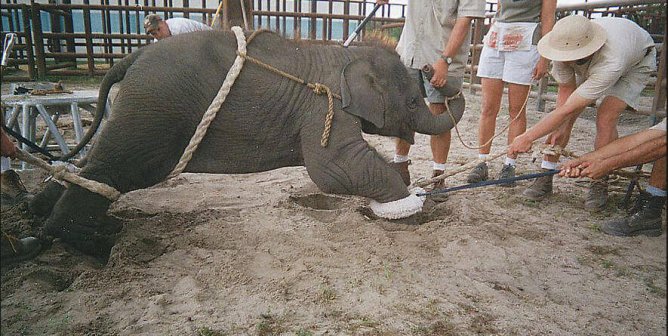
{"x":320,"y":89}
{"x":456,"y":95}
{"x":59,"y":172}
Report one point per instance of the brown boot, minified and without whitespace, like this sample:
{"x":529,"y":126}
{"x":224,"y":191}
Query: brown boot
{"x":539,"y":189}
{"x":402,"y":168}
{"x":597,"y":196}
{"x":440,"y":184}
{"x":11,"y":186}
{"x":14,"y":250}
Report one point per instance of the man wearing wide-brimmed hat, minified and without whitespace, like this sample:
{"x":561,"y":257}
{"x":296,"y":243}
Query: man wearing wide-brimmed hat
{"x":609,"y":58}
{"x":160,"y":29}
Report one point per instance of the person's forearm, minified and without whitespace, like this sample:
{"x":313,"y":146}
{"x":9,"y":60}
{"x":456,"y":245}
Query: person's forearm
{"x":625,"y":144}
{"x":547,"y":16}
{"x":459,"y":33}
{"x":644,"y":152}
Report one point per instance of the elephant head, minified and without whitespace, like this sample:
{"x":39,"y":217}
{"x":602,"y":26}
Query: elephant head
{"x":380,"y":92}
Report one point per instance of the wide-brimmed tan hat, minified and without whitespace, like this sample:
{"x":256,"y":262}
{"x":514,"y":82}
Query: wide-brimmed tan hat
{"x":151,"y":22}
{"x":572,"y":38}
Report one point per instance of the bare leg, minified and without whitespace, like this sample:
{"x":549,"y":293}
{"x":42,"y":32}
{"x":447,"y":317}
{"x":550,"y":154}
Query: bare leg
{"x":607,"y":116}
{"x":440,"y":144}
{"x":402,"y":147}
{"x":517,"y":95}
{"x":492,"y":91}
{"x":658,"y":177}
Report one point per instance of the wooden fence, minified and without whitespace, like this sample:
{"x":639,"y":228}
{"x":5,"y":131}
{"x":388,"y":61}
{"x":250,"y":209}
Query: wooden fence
{"x":86,"y":39}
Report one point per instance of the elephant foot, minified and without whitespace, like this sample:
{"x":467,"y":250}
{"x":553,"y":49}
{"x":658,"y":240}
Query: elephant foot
{"x":42,"y":203}
{"x":94,"y":240}
{"x":401,"y":208}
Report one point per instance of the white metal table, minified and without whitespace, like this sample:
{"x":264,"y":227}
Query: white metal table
{"x":22,"y":112}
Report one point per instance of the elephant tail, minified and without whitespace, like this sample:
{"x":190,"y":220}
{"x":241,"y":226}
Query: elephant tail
{"x":113,"y":76}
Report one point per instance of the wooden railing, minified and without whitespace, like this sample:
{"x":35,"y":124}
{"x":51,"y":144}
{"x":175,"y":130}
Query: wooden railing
{"x":76,"y":39}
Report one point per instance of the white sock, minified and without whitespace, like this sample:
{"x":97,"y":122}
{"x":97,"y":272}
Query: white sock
{"x":510,"y":162}
{"x":483,"y":156}
{"x":5,"y":163}
{"x":400,"y":158}
{"x":549,"y":165}
{"x":654,"y":191}
{"x":439,"y":166}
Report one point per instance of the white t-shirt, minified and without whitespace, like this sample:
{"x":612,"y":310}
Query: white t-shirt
{"x":660,"y":126}
{"x":623,"y":51}
{"x":182,"y":25}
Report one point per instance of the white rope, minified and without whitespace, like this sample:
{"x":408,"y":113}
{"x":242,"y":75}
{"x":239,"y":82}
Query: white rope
{"x":217,"y":102}
{"x":61,"y":173}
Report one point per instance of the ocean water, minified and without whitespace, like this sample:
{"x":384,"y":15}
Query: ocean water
{"x":136,"y":22}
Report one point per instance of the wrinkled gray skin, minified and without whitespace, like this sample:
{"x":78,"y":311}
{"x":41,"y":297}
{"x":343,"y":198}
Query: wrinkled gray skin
{"x":266,"y":122}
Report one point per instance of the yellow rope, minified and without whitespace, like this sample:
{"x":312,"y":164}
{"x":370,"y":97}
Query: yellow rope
{"x":522,"y":111}
{"x":10,"y":239}
{"x":316,"y":87}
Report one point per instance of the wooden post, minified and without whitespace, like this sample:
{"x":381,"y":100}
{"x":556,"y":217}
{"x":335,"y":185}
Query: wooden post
{"x":313,"y":22}
{"x":475,"y":55}
{"x":346,"y":21}
{"x":542,"y":88}
{"x":89,"y":42}
{"x":659,"y":101}
{"x":39,"y":39}
{"x":25,"y":10}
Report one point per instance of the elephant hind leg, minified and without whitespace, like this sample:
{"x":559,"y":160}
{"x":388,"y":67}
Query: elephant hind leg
{"x":42,"y":204}
{"x":79,"y":219}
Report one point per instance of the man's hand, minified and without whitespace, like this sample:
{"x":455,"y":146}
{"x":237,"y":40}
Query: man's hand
{"x":541,"y":69}
{"x":594,"y":169}
{"x":7,"y":147}
{"x":521,"y":144}
{"x":440,"y":74}
{"x":382,"y":2}
{"x":571,"y":168}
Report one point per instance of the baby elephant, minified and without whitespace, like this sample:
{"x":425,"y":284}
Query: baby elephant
{"x":267,"y":121}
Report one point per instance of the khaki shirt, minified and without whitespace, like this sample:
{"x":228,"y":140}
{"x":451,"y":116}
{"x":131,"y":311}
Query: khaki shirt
{"x":621,"y":56}
{"x":428,"y":28}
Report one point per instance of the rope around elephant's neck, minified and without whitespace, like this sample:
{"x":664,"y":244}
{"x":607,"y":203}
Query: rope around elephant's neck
{"x":232,"y":75}
{"x":316,"y":87}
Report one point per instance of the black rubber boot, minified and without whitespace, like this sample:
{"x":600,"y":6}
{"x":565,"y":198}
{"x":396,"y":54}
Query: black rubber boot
{"x":14,"y":250}
{"x":645,"y":220}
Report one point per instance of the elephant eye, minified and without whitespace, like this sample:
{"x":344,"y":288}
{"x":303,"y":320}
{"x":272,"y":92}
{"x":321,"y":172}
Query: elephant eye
{"x":412,"y":103}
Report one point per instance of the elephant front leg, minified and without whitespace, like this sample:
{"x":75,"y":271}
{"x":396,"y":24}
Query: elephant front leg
{"x":356,"y":169}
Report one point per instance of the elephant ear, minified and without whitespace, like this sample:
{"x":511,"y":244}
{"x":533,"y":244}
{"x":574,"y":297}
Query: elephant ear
{"x":361,"y":94}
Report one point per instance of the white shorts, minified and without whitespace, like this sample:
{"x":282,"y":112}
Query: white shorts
{"x":510,"y":66}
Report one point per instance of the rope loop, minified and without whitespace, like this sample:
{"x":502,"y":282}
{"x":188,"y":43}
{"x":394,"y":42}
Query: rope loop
{"x":320,"y":89}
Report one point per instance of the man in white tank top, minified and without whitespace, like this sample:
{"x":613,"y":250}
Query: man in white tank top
{"x":161,"y":29}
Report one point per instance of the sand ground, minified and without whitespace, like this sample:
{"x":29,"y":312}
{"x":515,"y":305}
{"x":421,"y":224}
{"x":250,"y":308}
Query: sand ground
{"x":269,"y":254}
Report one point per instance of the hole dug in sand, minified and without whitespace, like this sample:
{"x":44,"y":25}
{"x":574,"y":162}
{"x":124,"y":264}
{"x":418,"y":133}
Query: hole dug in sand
{"x":319,"y":201}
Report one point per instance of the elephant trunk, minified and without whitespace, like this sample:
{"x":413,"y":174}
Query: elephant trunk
{"x":426,"y":123}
